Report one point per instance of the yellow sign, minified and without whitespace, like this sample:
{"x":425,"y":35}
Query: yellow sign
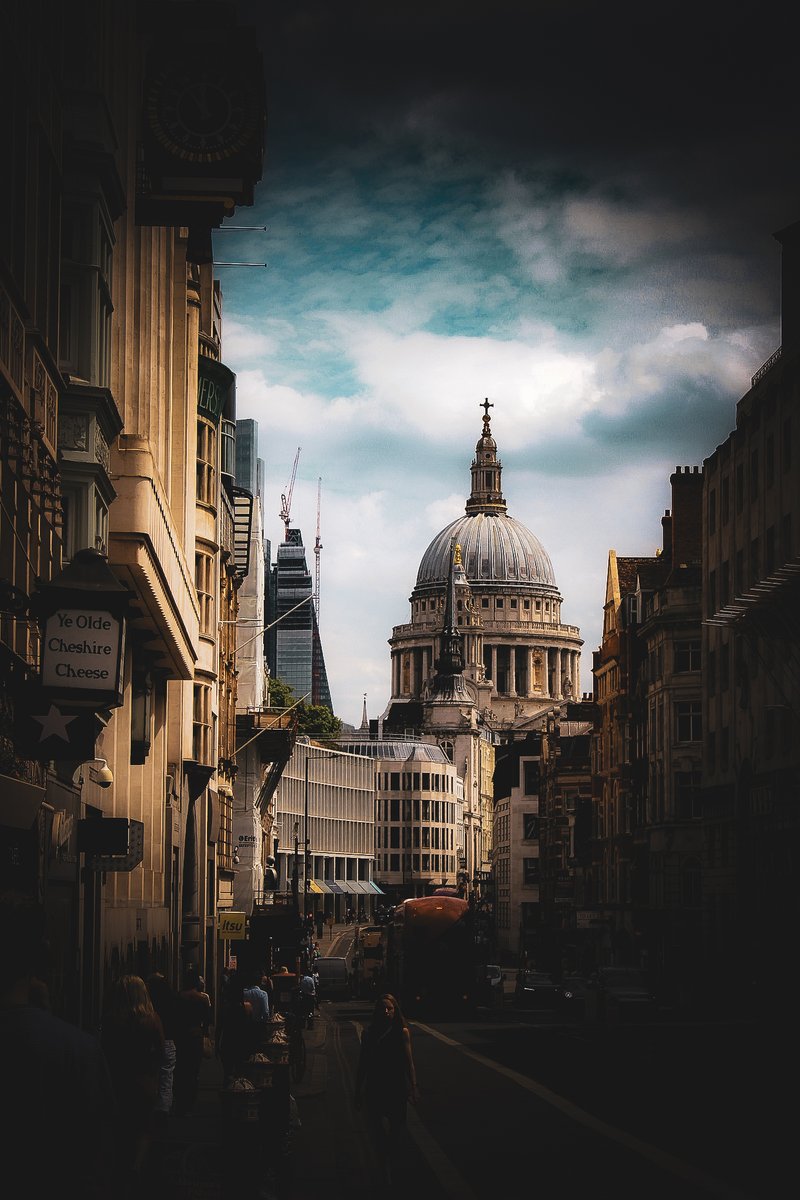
{"x":232,"y":926}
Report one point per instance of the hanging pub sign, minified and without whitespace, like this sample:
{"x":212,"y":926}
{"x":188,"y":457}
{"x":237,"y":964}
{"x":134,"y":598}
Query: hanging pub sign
{"x":83,"y":655}
{"x":82,"y":614}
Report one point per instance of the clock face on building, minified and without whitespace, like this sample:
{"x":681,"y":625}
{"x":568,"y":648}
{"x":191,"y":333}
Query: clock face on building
{"x":200,"y":115}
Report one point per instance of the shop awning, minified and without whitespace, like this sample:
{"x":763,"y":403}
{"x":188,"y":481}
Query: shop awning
{"x":374,"y":887}
{"x":348,"y":885}
{"x":313,"y":886}
{"x":319,"y":886}
{"x":334,"y":887}
{"x":362,"y":887}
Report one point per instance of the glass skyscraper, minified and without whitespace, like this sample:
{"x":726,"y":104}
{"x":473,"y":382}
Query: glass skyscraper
{"x":294,"y":649}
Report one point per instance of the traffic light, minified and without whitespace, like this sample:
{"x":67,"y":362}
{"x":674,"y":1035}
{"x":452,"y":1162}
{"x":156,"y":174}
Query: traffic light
{"x":270,"y":876}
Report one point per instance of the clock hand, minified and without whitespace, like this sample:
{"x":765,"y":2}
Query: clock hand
{"x":198,"y":93}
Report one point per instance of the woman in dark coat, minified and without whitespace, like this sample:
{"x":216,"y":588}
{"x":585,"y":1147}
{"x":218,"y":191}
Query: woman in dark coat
{"x":236,"y":1029}
{"x":193,"y":1025}
{"x":386,"y":1078}
{"x":133,"y":1040}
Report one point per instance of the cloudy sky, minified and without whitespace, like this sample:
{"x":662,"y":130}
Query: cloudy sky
{"x":565,"y":207}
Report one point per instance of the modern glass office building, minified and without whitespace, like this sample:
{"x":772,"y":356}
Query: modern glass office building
{"x":294,"y":648}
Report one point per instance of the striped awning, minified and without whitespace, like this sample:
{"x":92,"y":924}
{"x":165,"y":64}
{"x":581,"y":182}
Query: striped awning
{"x":348,"y":885}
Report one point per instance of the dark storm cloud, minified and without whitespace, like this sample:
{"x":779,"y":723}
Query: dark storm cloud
{"x":565,"y":206}
{"x":693,"y":103}
{"x":688,"y":414}
{"x":600,"y":74}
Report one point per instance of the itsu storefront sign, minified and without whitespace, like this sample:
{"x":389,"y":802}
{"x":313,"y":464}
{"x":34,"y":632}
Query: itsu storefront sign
{"x":82,"y":655}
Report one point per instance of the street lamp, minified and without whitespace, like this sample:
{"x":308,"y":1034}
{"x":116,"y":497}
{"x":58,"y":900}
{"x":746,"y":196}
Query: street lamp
{"x":305,"y":835}
{"x":295,"y":880}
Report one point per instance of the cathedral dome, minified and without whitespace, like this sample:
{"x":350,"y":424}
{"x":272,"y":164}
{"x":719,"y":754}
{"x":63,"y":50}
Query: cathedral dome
{"x":495,"y":548}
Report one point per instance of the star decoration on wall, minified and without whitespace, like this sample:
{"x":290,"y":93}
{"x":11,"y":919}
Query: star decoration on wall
{"x":54,"y":724}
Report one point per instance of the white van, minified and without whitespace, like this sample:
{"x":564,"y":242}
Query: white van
{"x":367,"y":961}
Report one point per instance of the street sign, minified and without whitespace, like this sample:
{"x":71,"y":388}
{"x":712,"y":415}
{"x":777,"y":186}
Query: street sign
{"x":232,"y":925}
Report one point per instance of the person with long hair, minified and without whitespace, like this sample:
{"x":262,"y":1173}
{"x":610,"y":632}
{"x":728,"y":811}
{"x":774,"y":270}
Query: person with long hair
{"x":132,"y":1037}
{"x":386,"y":1079}
{"x":165,"y":1002}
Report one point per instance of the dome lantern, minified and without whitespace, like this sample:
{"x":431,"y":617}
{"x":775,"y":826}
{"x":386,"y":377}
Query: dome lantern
{"x":494,"y":547}
{"x":487,"y":472}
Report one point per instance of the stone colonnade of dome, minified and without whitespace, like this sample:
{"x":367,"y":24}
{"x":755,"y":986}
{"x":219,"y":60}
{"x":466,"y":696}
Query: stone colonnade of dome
{"x":525,"y":665}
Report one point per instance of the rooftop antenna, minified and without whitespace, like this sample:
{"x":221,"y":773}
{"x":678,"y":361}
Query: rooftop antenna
{"x":286,"y":499}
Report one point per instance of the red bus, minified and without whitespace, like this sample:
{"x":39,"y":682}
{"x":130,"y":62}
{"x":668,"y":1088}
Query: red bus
{"x":431,"y":955}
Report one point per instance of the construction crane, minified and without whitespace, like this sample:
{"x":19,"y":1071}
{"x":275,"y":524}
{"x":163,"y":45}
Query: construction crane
{"x":286,"y":499}
{"x":317,"y":548}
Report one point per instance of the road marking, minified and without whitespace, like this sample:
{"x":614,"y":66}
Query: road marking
{"x":451,"y":1181}
{"x":660,"y":1158}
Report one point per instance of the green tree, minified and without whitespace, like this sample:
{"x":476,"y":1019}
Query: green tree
{"x":280,"y":694}
{"x":314,"y":720}
{"x":318,"y":722}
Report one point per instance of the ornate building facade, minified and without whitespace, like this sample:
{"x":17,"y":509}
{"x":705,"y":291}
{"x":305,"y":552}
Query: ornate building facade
{"x":485,"y":656}
{"x":508,"y":608}
{"x":117,"y":423}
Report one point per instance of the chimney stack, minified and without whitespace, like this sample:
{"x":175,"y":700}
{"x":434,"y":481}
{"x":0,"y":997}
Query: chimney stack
{"x":687,"y":517}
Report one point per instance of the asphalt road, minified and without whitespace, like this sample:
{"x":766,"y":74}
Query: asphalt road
{"x":512,"y":1100}
{"x":659,"y":1109}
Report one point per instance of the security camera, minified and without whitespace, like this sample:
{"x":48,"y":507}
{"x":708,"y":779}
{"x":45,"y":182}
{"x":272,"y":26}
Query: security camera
{"x":105,"y":776}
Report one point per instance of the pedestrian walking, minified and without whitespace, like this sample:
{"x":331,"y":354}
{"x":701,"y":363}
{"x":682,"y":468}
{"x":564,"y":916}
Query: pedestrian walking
{"x":133,"y":1040}
{"x":386,"y":1079}
{"x":257,"y":995}
{"x":165,"y":1002}
{"x":194,"y":1025}
{"x":307,"y":997}
{"x":236,"y":1030}
{"x":60,"y":1111}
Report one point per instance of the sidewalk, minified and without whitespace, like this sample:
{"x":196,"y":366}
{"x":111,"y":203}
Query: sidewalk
{"x":194,"y":1157}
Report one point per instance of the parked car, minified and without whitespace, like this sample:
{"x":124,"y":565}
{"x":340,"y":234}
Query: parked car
{"x":492,"y":984}
{"x":536,"y":990}
{"x":334,"y":978}
{"x":626,"y":989}
{"x":572,"y":994}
